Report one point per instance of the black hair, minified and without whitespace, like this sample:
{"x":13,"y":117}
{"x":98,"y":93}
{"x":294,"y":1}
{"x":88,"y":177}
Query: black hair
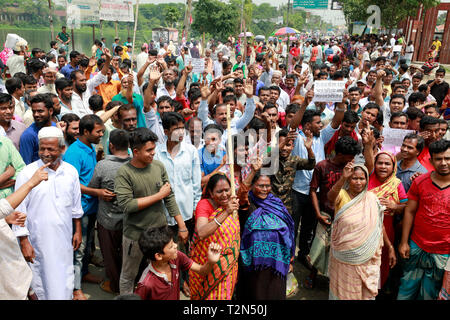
{"x":353,"y":89}
{"x":170,"y":119}
{"x":347,"y":146}
{"x":427,"y":120}
{"x":60,"y":56}
{"x":29,"y":79}
{"x":5,"y":97}
{"x":423,"y":87}
{"x":229,"y":98}
{"x":420,"y":141}
{"x":70,"y":117}
{"x":399,"y":114}
{"x":371,"y":105}
{"x":404,"y":67}
{"x":84,"y":62}
{"x":213,"y":126}
{"x":269,"y":105}
{"x":226,"y":63}
{"x":125,"y":107}
{"x":309,"y":115}
{"x":34,"y":51}
{"x":212,"y":182}
{"x":62,"y":83}
{"x":96,"y":103}
{"x":195,"y":94}
{"x":153,"y":52}
{"x":117,"y":49}
{"x":399,"y":96}
{"x":276,"y":88}
{"x":140,"y":136}
{"x":153,"y":240}
{"x":97,"y":42}
{"x":227,"y":90}
{"x":380,"y":118}
{"x":119,"y":138}
{"x":292,"y":108}
{"x":434,"y":106}
{"x":414,"y":113}
{"x":164,"y":98}
{"x":257,"y":124}
{"x":440,"y":70}
{"x":418,"y":75}
{"x":350,"y":116}
{"x":438,"y":147}
{"x":238,"y":80}
{"x":88,"y":123}
{"x":13,"y":84}
{"x":264,"y":88}
{"x":415,"y":97}
{"x":52,"y":43}
{"x":73,"y":54}
{"x":177,"y":106}
{"x":73,"y":74}
{"x":42,"y":97}
{"x":112,"y":104}
{"x":283,"y":132}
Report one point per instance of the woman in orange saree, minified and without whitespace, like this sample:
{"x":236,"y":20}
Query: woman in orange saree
{"x":215,"y":223}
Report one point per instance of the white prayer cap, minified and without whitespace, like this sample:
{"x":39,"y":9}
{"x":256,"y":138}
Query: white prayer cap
{"x":277,"y":72}
{"x":50,"y":132}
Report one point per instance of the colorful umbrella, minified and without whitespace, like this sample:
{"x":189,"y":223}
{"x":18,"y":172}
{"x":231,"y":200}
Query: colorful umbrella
{"x":285,"y":30}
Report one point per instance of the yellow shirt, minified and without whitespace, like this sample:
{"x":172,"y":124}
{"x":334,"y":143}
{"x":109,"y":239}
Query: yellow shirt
{"x":437,"y":44}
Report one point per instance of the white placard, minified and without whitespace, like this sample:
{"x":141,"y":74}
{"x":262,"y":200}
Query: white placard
{"x":198,"y":65}
{"x":328,"y":90}
{"x":393,"y":139}
{"x":116,"y":10}
{"x":82,"y":12}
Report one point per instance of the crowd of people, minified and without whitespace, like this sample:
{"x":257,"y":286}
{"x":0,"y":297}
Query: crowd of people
{"x":212,"y":183}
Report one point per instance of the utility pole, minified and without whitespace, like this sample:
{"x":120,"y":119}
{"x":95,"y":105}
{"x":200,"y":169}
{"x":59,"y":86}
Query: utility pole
{"x":287,"y":45}
{"x":51,"y":19}
{"x":187,"y":18}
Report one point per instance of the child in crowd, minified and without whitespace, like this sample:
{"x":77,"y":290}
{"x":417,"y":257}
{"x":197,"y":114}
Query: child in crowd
{"x":161,"y":279}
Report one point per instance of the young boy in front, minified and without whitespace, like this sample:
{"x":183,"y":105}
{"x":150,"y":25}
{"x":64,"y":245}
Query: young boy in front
{"x":161,"y":279}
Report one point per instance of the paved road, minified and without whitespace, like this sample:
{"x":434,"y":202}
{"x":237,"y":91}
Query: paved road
{"x":320,"y":292}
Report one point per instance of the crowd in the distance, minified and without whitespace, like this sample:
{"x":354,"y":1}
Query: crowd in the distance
{"x":136,"y":152}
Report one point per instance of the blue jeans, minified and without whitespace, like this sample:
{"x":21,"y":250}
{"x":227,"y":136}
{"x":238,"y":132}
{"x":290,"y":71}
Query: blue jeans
{"x":82,"y":256}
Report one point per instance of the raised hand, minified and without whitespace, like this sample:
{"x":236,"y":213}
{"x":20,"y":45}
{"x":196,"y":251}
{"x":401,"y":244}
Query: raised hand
{"x":154,"y":73}
{"x":39,"y":175}
{"x":214,"y":252}
{"x":380,"y":74}
{"x":204,"y":89}
{"x":233,"y":205}
{"x":348,"y":170}
{"x":188,"y":68}
{"x":107,"y":53}
{"x":92,"y":62}
{"x":309,"y":139}
{"x":248,"y":88}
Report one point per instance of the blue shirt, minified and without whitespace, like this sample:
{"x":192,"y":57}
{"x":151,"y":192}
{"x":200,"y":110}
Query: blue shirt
{"x":29,"y":143}
{"x":185,"y":178}
{"x":67,"y":70}
{"x":303,"y":177}
{"x":84,"y":160}
{"x":208,"y":162}
{"x":405,"y":175}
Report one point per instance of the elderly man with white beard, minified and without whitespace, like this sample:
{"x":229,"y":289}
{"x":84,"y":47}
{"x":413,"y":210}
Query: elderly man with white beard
{"x":53,"y":207}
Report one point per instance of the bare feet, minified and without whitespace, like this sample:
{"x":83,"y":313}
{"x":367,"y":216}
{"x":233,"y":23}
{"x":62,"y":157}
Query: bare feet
{"x":91,"y":278}
{"x":78,"y":295}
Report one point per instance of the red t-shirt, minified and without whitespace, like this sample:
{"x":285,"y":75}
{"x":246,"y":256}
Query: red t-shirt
{"x":295,"y":51}
{"x":425,"y":159}
{"x":431,"y":228}
{"x":154,"y":286}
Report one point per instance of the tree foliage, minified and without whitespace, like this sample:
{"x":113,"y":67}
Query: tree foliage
{"x":392,"y":12}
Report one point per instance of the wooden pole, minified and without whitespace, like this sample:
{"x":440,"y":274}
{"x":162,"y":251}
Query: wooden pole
{"x":117,"y":32}
{"x":203,"y":45}
{"x":73,"y":39}
{"x":134,"y":34}
{"x":51,"y":19}
{"x":230,"y":156}
{"x":93,"y":33}
{"x":187,"y":19}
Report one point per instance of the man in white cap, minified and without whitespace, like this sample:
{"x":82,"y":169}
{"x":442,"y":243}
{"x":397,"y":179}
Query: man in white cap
{"x":16,"y":63}
{"x":53,"y":207}
{"x":49,"y":75}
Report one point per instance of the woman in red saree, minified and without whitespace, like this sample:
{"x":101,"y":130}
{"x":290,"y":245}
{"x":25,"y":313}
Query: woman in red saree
{"x":389,"y":190}
{"x":214,"y":222}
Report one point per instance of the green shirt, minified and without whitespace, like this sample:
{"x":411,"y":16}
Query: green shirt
{"x":132,"y":183}
{"x":9,"y":156}
{"x":63,"y":36}
{"x":138,"y":103}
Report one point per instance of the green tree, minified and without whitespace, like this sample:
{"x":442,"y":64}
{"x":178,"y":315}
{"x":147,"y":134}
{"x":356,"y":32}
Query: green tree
{"x":172,"y":15}
{"x":215,"y":18}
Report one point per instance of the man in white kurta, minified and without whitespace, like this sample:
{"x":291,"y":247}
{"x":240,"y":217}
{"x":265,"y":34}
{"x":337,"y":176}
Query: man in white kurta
{"x":50,"y":208}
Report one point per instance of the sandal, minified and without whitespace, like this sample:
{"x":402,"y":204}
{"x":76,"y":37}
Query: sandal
{"x":309,"y":283}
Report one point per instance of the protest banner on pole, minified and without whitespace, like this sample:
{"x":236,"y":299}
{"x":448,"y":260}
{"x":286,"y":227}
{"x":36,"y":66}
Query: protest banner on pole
{"x":393,"y":139}
{"x":116,"y":10}
{"x":198,"y":64}
{"x":82,"y":12}
{"x":328,"y":90}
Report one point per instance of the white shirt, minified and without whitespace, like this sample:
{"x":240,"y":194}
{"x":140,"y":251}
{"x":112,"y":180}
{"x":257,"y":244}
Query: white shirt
{"x":50,"y":208}
{"x":141,"y":59}
{"x":283,"y":101}
{"x":184,"y":176}
{"x":16,"y":64}
{"x":19,"y":107}
{"x":162,"y":91}
{"x":15,"y":274}
{"x":80,"y":105}
{"x":217,"y":68}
